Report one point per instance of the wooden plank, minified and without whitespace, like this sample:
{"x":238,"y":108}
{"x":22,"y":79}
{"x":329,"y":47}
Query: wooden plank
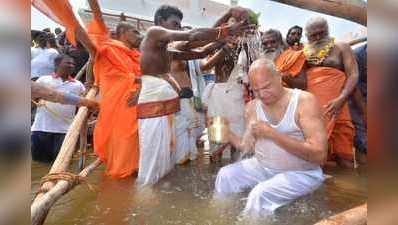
{"x":354,"y":216}
{"x":353,"y":10}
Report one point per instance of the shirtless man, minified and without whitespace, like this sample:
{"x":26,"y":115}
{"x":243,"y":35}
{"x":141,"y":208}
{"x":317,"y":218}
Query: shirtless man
{"x":159,"y":96}
{"x":286,"y":132}
{"x":332,"y":76}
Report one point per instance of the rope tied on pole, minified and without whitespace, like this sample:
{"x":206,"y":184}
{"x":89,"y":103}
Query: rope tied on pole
{"x":71,"y":178}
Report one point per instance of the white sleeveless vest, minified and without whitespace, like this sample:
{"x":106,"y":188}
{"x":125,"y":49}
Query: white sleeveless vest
{"x":272,"y":155}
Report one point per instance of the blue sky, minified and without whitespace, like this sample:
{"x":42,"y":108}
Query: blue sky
{"x":273,"y":15}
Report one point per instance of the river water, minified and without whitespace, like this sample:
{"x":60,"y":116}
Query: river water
{"x":185,"y":196}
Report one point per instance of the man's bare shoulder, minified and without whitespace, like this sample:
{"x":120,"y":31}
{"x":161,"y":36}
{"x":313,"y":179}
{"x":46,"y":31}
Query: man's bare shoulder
{"x":154,"y":31}
{"x":342,"y":46}
{"x":308,"y":102}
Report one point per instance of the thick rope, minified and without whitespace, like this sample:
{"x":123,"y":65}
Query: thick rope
{"x":71,"y":178}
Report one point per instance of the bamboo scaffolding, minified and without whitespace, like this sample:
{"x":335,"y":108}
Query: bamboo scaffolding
{"x":354,"y":216}
{"x":40,"y":207}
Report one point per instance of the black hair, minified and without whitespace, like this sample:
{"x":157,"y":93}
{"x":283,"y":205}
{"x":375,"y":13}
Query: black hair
{"x":165,"y":11}
{"x":295,"y":27}
{"x":41,"y":39}
{"x":59,"y":59}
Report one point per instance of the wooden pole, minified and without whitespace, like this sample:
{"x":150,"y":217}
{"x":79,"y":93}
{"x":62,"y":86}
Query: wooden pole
{"x":354,"y":216}
{"x":40,"y":208}
{"x":83,"y":145}
{"x":82,"y":71}
{"x":64,"y":156}
{"x":353,"y":10}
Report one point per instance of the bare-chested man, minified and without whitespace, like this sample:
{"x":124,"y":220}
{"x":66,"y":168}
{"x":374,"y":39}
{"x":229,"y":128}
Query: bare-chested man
{"x":286,"y":132}
{"x":332,"y":77}
{"x":159,"y":97}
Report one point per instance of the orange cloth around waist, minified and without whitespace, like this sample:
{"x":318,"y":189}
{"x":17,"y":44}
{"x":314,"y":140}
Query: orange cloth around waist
{"x":326,"y":83}
{"x":157,"y":109}
{"x":290,"y":61}
{"x":115,"y":69}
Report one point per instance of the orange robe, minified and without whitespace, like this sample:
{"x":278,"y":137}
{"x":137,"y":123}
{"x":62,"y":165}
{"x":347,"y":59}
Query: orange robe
{"x":116,"y":131}
{"x":326,"y":84}
{"x":291,"y":61}
{"x":115,"y":70}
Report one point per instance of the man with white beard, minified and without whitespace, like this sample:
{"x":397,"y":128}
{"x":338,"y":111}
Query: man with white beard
{"x":272,"y":44}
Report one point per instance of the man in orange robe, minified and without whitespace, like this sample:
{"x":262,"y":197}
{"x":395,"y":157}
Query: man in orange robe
{"x":291,"y":62}
{"x":332,"y":75}
{"x":116,"y":70}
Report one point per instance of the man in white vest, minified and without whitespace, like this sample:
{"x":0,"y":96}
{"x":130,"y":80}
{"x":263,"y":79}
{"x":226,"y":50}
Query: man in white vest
{"x":286,"y":132}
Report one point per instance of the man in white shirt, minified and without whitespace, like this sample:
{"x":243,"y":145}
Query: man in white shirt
{"x":52,"y":120}
{"x":42,"y":58}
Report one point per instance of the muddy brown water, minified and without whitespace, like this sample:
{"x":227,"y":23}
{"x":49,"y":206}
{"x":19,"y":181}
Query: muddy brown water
{"x":185,"y":196}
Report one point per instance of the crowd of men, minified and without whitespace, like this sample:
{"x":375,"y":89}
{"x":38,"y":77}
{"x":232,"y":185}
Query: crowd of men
{"x":288,"y":108}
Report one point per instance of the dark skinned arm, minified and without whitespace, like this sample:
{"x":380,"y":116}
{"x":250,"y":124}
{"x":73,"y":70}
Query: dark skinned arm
{"x":188,"y":45}
{"x":213,"y":60}
{"x":96,"y":11}
{"x":82,"y":35}
{"x":195,"y":53}
{"x":161,"y":35}
{"x":351,"y":70}
{"x":299,"y":81}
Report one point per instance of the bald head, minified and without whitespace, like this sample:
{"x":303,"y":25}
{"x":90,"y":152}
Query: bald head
{"x":265,"y":80}
{"x":316,"y":29}
{"x":128,"y":34}
{"x":263,"y":68}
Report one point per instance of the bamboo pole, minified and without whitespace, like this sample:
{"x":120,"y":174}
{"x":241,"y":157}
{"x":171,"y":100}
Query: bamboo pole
{"x":82,"y":71}
{"x":40,"y":208}
{"x":353,"y":10}
{"x":354,"y":216}
{"x":357,"y":41}
{"x":64,"y":157}
{"x":83,"y":145}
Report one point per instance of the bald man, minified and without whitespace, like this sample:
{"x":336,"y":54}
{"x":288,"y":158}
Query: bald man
{"x":286,"y":132}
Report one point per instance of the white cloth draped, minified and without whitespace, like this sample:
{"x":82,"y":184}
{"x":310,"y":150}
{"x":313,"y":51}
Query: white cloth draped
{"x":155,"y":134}
{"x":185,"y":121}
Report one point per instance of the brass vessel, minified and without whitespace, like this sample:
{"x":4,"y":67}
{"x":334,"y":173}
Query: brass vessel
{"x":218,"y":130}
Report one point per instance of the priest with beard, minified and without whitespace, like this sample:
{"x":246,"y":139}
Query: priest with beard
{"x":291,"y":62}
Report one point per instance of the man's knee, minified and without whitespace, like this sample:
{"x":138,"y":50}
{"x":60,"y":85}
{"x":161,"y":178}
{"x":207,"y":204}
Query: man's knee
{"x":258,"y":200}
{"x":225,"y":179}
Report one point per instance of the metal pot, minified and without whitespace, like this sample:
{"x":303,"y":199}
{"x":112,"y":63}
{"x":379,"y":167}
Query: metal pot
{"x":218,"y":130}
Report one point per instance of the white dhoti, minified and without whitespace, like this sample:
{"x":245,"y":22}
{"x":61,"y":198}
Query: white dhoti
{"x":185,"y":121}
{"x":271,"y":188}
{"x":156,"y":130}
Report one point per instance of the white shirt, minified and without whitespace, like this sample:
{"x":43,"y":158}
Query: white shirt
{"x":42,"y":62}
{"x":55,"y":117}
